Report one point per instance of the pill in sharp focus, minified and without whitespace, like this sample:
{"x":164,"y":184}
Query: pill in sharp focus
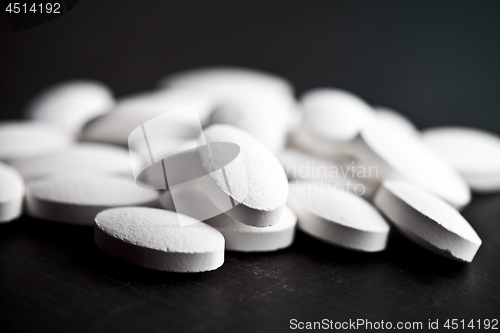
{"x":238,"y":236}
{"x":20,"y":139}
{"x":400,"y":155}
{"x":397,"y":119}
{"x":474,"y":153}
{"x":11,"y":193}
{"x":427,"y":220}
{"x":338,"y":217}
{"x":71,"y":104}
{"x":116,"y":126}
{"x":84,"y":157}
{"x":77,"y":198}
{"x":331,"y":119}
{"x":154,"y":239}
{"x":261,"y":200}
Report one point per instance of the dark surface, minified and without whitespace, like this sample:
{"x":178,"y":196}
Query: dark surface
{"x":53,"y":278}
{"x":435,"y":61}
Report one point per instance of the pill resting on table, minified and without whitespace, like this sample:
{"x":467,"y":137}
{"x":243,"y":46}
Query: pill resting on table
{"x":238,"y":236}
{"x":474,"y":153}
{"x":77,"y":198}
{"x":20,"y":139}
{"x":404,"y":156}
{"x":11,"y":193}
{"x":153,"y":238}
{"x":338,"y":217}
{"x":84,"y":157}
{"x":427,"y":220}
{"x":71,"y":104}
{"x":261,"y":200}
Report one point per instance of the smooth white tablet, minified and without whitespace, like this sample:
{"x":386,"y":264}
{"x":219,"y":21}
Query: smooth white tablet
{"x":343,"y":173}
{"x":427,"y":220}
{"x":85,"y":157}
{"x":474,"y":153}
{"x":228,"y":83}
{"x":153,"y":238}
{"x":116,"y":126}
{"x":260,"y":193}
{"x":396,"y":119}
{"x":77,"y":198}
{"x":338,"y":217}
{"x":11,"y":193}
{"x":238,"y":236}
{"x":20,"y":139}
{"x":404,"y":156}
{"x":265,"y":118}
{"x":334,"y":115}
{"x":71,"y":104}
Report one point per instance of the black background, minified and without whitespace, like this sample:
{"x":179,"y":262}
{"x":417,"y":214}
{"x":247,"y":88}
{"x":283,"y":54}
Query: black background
{"x":436,"y":61}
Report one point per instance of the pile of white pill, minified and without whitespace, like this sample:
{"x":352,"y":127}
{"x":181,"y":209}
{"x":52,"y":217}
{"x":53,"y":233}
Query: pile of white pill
{"x":257,"y":164}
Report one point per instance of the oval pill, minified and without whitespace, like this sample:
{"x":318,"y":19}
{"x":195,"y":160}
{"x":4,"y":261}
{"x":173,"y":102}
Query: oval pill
{"x":263,"y":197}
{"x":427,"y":220}
{"x":77,"y":198}
{"x":154,"y":239}
{"x":474,"y":153}
{"x":338,"y":217}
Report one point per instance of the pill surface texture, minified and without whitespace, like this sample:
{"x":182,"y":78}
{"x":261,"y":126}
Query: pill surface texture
{"x":77,"y":198}
{"x":474,"y":153}
{"x":260,"y":193}
{"x":427,"y":220}
{"x":238,"y":236}
{"x":20,"y":139}
{"x":11,"y":193}
{"x":338,"y":217}
{"x":401,"y":155}
{"x":154,"y":239}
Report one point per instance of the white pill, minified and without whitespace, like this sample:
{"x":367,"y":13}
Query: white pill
{"x":338,"y":217}
{"x":427,"y":220}
{"x":85,"y":157}
{"x":229,"y":83}
{"x":343,"y":174}
{"x":71,"y":104}
{"x":238,"y":236}
{"x":474,"y":153}
{"x":20,"y":139}
{"x":266,"y":119}
{"x":11,"y":193}
{"x":153,"y":238}
{"x":333,"y":117}
{"x":77,"y":198}
{"x":262,"y":197}
{"x":396,"y":119}
{"x":116,"y":126}
{"x":401,"y":155}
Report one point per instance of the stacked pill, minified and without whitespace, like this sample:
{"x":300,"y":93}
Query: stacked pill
{"x":226,"y":158}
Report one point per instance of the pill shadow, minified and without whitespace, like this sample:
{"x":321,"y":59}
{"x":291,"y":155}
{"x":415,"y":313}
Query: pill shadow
{"x":73,"y":247}
{"x":401,"y":254}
